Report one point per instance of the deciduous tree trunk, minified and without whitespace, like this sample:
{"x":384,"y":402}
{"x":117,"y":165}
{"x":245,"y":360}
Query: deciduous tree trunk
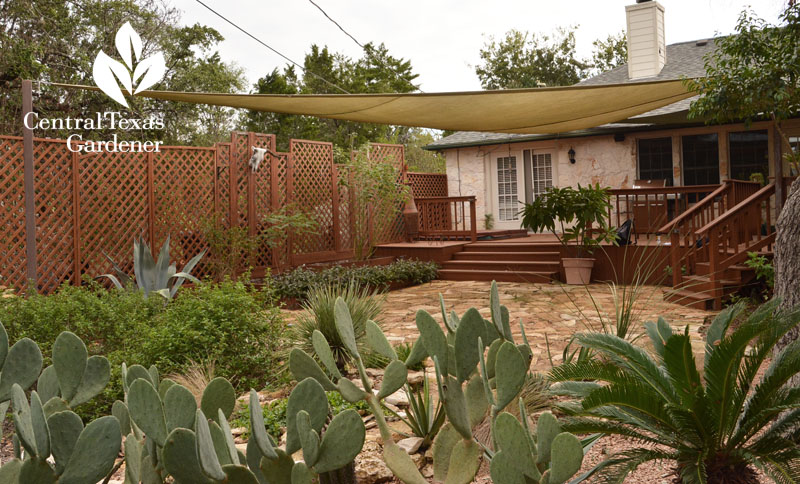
{"x":787,"y":260}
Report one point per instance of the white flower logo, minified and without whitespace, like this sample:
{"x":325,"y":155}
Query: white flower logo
{"x":109,"y":73}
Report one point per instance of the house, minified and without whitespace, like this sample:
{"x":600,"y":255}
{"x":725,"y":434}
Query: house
{"x":503,"y":170}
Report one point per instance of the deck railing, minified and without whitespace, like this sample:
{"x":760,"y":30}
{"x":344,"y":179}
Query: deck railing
{"x":653,"y":208}
{"x":447,"y":218}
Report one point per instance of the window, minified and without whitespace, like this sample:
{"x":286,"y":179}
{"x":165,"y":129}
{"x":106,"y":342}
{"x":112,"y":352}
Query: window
{"x":794,"y":143}
{"x":700,"y":159}
{"x":655,"y":159}
{"x":538,"y":174}
{"x":749,"y":153}
{"x":507,"y":199}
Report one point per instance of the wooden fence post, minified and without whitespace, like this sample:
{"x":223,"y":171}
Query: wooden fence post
{"x":290,"y":199}
{"x":252,"y":218}
{"x":337,"y":235}
{"x":151,"y":199}
{"x":233,"y":172}
{"x":30,"y":195}
{"x":76,"y":220}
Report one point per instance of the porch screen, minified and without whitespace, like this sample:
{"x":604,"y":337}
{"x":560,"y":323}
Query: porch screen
{"x":749,"y":153}
{"x":507,"y":199}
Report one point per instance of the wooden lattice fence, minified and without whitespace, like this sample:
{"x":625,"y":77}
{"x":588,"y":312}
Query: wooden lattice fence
{"x":89,"y":206}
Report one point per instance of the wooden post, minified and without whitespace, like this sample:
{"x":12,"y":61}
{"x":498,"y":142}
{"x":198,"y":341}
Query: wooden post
{"x":337,"y":235}
{"x":252,"y":218}
{"x":473,"y":229}
{"x":233,"y":172}
{"x":675,"y":257}
{"x":290,"y":199}
{"x":274,"y":200}
{"x":29,"y":174}
{"x":76,"y":220}
{"x":713,"y":276}
{"x":151,"y":198}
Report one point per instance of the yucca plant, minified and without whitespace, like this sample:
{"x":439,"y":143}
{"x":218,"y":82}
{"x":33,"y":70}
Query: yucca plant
{"x":318,"y":314}
{"x":424,"y":416}
{"x":150,"y":275}
{"x":718,"y":427}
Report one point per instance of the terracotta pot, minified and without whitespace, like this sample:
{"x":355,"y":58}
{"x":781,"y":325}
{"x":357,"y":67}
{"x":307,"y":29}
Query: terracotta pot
{"x":578,"y":271}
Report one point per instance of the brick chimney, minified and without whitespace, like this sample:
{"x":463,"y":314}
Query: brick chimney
{"x":647,"y":52}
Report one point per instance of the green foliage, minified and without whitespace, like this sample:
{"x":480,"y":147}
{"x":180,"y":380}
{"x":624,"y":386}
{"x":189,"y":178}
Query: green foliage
{"x":377,"y":198}
{"x":229,"y":323}
{"x":488,"y":221}
{"x":424,"y":417}
{"x":720,"y":424}
{"x":299,"y":282}
{"x":275,"y":413}
{"x":609,"y":53}
{"x":753,"y":74}
{"x":318,"y":314}
{"x":417,"y":158}
{"x":575,"y":211}
{"x":763,"y":267}
{"x":151,"y":275}
{"x":525,"y":60}
{"x":403,"y":351}
{"x":234,"y":250}
{"x":377,"y":71}
{"x":63,"y":49}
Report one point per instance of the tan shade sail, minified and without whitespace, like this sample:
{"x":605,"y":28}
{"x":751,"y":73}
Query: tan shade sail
{"x":526,"y":111}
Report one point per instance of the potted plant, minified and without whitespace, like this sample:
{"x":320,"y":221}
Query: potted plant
{"x":582,"y":216}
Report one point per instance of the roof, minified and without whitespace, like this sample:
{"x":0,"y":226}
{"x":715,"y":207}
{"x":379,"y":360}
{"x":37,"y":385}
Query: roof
{"x":684,"y":59}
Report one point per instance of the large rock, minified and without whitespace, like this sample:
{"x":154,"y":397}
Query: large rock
{"x":398,"y":399}
{"x":370,"y":468}
{"x":411,"y":444}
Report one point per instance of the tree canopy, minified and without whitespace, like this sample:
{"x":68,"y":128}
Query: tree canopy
{"x":525,"y":60}
{"x":376,"y":71}
{"x":57,"y":41}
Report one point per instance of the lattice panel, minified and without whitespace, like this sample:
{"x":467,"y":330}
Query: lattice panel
{"x":262,"y":178}
{"x":12,"y":213}
{"x":183,"y":197}
{"x":427,"y":184}
{"x":312,"y":168}
{"x":54,"y":213}
{"x":241,"y":156}
{"x":113,"y":209}
{"x":345,"y":211}
{"x":387,"y":153}
{"x":223,"y":183}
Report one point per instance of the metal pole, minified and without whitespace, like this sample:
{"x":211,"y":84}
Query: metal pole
{"x":30,"y":206}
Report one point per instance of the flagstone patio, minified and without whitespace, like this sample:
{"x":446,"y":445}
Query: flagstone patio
{"x":557,"y":311}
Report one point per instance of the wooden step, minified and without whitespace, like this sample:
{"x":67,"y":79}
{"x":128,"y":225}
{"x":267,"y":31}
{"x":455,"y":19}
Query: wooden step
{"x":733,"y":272}
{"x":690,"y":299}
{"x":511,"y":255}
{"x":493,"y":275}
{"x":503,"y":265}
{"x":507,"y":247}
{"x":700,"y":283}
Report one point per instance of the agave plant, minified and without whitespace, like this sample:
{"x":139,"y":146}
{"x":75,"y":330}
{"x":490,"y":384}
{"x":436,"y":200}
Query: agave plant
{"x":717,"y":424}
{"x":158,"y":276}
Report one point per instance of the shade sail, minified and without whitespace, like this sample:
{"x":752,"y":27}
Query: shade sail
{"x":527,"y":111}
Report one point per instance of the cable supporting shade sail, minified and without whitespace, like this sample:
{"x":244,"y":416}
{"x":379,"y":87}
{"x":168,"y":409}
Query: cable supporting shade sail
{"x":544,"y":110}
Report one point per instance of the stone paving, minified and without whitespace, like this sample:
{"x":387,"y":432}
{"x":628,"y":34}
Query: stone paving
{"x":557,"y":311}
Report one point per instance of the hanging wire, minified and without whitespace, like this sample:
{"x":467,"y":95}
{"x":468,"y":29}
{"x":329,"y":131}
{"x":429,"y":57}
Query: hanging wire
{"x":306,"y":71}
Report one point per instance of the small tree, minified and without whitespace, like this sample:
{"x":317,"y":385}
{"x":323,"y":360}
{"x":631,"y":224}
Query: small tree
{"x":379,"y":196}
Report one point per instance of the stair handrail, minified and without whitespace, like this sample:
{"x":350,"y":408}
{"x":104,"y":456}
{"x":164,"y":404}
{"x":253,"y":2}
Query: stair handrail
{"x":708,"y":199}
{"x":763,"y":194}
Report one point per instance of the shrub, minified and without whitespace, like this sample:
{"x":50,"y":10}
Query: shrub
{"x":318,"y":315}
{"x":298,"y":282}
{"x":718,"y":427}
{"x":228,"y":323}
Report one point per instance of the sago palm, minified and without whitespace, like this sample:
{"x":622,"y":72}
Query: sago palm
{"x":719,"y":427}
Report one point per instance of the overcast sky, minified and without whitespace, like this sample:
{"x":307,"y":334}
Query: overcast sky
{"x":441,"y":38}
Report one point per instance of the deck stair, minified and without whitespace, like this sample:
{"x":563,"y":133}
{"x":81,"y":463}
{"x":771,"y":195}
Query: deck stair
{"x":710,"y":243}
{"x":502,"y":261}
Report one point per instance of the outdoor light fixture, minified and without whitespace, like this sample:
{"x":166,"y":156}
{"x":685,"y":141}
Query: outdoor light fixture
{"x":571,"y":154}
